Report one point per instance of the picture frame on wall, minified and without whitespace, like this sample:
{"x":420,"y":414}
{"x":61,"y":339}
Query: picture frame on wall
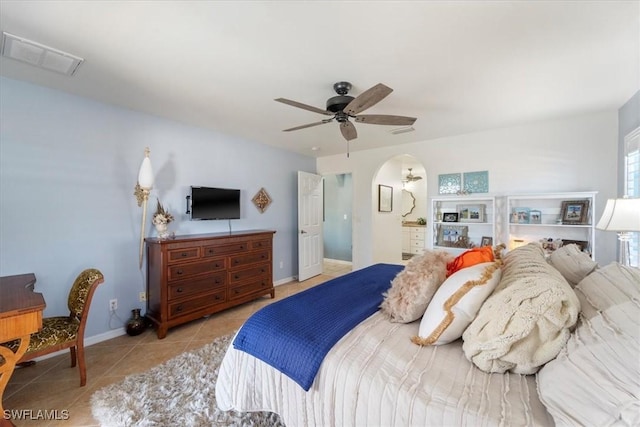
{"x":450,"y":217}
{"x":385,"y":198}
{"x":471,"y":213}
{"x":574,"y":212}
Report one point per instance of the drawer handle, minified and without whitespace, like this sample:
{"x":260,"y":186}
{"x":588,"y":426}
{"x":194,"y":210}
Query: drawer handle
{"x":210,"y":251}
{"x":217,"y":297}
{"x":179,"y":309}
{"x":259,"y":245}
{"x":237,"y":291}
{"x":235,"y":261}
{"x":263,"y":256}
{"x":179,"y":290}
{"x":178,"y":271}
{"x":217,"y":265}
{"x":236,"y":277}
{"x":184,"y":254}
{"x":217,"y":282}
{"x":263,"y":270}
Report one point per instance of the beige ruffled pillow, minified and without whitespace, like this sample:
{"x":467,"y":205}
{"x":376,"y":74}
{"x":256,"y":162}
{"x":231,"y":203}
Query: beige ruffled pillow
{"x":572,"y":263}
{"x":413,"y":287}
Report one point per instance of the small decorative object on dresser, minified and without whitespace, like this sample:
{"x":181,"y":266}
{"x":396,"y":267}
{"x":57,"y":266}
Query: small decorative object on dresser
{"x":161,"y":220}
{"x":575,"y":211}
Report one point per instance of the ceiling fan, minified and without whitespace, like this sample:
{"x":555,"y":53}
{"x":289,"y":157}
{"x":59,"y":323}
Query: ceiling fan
{"x":343,"y":106}
{"x":410,"y":177}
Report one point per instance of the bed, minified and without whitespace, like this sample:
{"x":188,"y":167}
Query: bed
{"x":375,"y":375}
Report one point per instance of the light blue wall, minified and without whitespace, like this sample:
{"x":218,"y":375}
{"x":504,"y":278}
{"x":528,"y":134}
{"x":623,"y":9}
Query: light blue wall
{"x":628,"y":120}
{"x":338,"y":190}
{"x":68,"y":166}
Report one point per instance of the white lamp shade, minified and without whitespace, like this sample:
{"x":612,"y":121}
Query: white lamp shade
{"x":620,"y":215}
{"x":145,"y":176}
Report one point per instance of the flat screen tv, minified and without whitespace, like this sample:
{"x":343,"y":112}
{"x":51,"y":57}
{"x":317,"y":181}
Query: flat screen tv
{"x":214,"y":203}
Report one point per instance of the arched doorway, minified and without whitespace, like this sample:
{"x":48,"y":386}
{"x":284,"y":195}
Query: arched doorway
{"x":389,"y":227}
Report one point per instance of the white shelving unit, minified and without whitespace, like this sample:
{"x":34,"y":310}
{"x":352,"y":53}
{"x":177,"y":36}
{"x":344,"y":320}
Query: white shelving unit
{"x":468,"y":231}
{"x":550,"y":224}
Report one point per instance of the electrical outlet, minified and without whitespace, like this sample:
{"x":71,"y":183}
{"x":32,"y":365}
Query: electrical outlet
{"x":281,"y":264}
{"x":143,"y":296}
{"x":113,"y":305}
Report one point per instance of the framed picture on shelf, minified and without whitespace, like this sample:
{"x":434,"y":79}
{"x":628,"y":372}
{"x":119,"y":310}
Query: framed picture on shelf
{"x":574,"y":212}
{"x":486,"y":241}
{"x":470,"y":213}
{"x":535,"y":217}
{"x":385,"y":198}
{"x":520,"y":215}
{"x":582,"y":244}
{"x":450,"y":217}
{"x":453,"y":236}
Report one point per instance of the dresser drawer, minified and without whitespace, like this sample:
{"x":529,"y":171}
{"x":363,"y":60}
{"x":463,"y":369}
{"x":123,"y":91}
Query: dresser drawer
{"x":263,"y":283}
{"x":233,"y":248}
{"x":250,"y":258}
{"x":186,"y":254}
{"x":186,"y":270}
{"x":260,"y":244}
{"x":417,"y":243}
{"x":177,"y":309}
{"x":417,"y":236}
{"x":249,"y":273}
{"x":197,"y":286}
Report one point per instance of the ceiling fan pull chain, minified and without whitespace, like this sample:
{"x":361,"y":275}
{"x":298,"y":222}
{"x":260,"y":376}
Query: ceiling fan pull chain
{"x":347,"y":149}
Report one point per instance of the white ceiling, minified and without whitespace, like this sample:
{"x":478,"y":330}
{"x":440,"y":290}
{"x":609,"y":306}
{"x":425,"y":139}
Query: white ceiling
{"x":458,"y":66}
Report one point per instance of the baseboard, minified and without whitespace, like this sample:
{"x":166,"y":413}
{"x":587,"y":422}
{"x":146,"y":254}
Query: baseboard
{"x":285,"y":280}
{"x":339,"y":261}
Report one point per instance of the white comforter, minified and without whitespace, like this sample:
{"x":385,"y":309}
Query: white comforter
{"x":375,"y":376}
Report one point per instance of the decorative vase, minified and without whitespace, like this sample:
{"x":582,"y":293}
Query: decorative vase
{"x":136,"y":325}
{"x":163,"y":230}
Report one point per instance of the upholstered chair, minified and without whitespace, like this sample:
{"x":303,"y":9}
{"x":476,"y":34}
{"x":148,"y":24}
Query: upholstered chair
{"x":59,"y":333}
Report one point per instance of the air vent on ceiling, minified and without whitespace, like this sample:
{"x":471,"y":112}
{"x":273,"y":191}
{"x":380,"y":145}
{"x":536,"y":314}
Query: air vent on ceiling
{"x":37,"y":54}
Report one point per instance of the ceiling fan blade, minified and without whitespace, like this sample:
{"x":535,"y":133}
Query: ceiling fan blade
{"x":348,"y":130}
{"x":367,"y":99}
{"x":304,"y":106}
{"x":383,"y":119}
{"x":308,"y":125}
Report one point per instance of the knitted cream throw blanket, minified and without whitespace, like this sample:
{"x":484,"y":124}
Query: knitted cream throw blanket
{"x":527,"y":320}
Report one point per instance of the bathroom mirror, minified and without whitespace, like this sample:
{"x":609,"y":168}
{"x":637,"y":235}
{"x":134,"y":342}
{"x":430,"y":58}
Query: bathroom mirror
{"x":408,"y":202}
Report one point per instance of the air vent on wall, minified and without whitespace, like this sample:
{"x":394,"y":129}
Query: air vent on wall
{"x":42,"y":56}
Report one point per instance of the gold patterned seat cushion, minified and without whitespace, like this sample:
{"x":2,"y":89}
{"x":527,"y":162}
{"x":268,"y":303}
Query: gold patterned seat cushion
{"x":55,"y":330}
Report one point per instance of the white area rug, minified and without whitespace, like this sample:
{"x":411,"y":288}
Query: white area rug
{"x":180,"y":392}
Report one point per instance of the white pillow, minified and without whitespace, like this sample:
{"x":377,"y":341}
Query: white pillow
{"x":595,"y":380}
{"x":456,"y":303}
{"x":572,"y":263}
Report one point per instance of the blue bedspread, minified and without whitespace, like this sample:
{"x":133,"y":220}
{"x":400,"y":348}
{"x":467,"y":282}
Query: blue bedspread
{"x":294,"y":335}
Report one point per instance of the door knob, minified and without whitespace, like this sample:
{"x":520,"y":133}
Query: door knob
{"x":303,"y":232}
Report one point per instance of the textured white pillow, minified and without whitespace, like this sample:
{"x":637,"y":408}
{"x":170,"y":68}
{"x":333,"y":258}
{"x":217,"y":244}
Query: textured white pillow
{"x":412,"y":289}
{"x":456,"y":303}
{"x":572,"y":263}
{"x":595,"y":380}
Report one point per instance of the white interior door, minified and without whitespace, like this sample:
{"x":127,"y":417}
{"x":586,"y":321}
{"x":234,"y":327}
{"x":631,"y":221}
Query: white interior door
{"x":310,"y":243}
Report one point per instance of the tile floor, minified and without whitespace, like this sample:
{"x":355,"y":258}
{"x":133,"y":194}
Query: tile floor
{"x":52,"y":385}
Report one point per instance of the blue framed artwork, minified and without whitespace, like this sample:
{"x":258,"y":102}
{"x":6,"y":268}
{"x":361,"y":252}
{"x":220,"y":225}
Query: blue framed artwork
{"x":476,"y":182}
{"x":450,"y":183}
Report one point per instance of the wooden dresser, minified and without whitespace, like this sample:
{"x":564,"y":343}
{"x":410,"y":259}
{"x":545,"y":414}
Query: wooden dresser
{"x":191,"y":276}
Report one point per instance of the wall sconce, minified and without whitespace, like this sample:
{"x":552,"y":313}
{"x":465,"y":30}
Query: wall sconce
{"x":623,"y":216}
{"x":142,"y":191}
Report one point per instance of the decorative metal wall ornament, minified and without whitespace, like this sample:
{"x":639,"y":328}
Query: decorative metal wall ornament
{"x":261,"y":200}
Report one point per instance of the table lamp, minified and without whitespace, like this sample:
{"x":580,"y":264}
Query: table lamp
{"x":623,"y":216}
{"x":142,"y":191}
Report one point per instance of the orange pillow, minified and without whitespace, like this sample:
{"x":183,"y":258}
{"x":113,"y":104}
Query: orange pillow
{"x":471,"y":257}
